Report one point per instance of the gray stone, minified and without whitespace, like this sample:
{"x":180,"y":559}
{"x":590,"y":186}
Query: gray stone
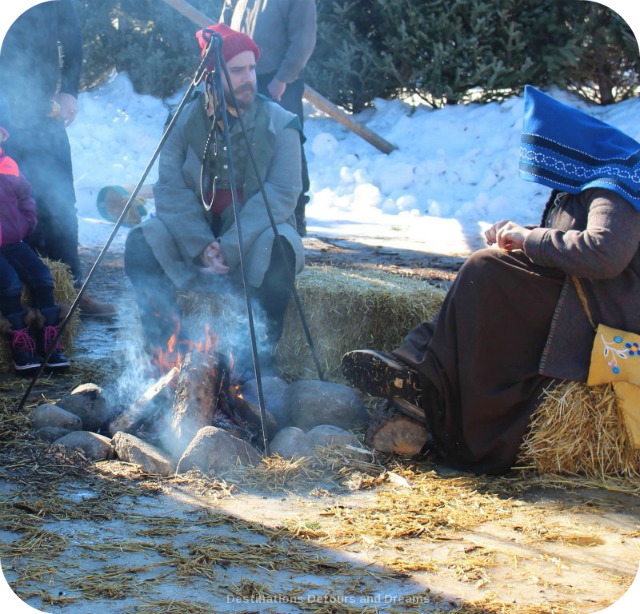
{"x":313,"y":402}
{"x":95,"y":447}
{"x":131,"y":449}
{"x":273,"y":389}
{"x":216,"y":452}
{"x":87,"y":402}
{"x":326,"y":435}
{"x":50,"y":415}
{"x":291,"y":442}
{"x":50,"y":433}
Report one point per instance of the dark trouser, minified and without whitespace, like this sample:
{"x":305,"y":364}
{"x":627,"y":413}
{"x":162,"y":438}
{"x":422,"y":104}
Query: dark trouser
{"x":157,"y":300}
{"x":292,"y":101}
{"x":19,"y":265}
{"x":43,"y":154}
{"x":479,"y":360}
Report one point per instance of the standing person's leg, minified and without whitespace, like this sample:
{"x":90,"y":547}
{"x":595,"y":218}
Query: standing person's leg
{"x":292,"y":101}
{"x":303,"y":199}
{"x":44,"y":156}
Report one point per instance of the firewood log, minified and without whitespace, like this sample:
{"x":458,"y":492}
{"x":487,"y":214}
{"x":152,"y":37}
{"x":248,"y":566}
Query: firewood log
{"x":396,"y":433}
{"x":144,"y":407}
{"x":194,"y":404}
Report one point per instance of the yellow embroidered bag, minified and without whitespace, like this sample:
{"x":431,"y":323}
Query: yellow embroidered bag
{"x":615,"y":359}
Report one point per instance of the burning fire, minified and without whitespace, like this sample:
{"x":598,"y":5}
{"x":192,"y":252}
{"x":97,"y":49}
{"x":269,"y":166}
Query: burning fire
{"x":177,"y":348}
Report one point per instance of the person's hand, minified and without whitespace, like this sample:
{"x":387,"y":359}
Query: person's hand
{"x":490,"y":233}
{"x":213,"y":260}
{"x":68,"y":107}
{"x":276,"y":88}
{"x":507,"y":235}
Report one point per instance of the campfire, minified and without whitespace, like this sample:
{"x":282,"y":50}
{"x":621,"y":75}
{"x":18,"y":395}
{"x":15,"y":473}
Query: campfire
{"x":197,"y":386}
{"x":201,"y":412}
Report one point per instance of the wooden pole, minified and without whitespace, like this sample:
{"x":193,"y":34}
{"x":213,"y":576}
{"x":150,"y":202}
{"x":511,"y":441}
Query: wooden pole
{"x":317,"y":100}
{"x":191,"y":12}
{"x":325,"y":105}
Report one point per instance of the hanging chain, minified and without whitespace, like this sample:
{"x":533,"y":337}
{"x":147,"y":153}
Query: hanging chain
{"x":212,"y":136}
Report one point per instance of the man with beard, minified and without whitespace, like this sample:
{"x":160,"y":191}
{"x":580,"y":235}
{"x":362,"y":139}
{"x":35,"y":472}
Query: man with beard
{"x":193,"y":242}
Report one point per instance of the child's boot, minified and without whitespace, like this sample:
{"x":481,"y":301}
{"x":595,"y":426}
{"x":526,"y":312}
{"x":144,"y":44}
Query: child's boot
{"x":23,"y":345}
{"x":51,"y":345}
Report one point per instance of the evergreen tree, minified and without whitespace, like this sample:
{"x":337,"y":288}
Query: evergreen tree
{"x":445,"y":51}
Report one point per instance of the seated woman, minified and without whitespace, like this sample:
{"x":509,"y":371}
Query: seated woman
{"x":32,"y":333}
{"x":512,"y":323}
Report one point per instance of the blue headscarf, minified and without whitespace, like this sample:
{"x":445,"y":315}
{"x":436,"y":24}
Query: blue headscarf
{"x":566,"y":149}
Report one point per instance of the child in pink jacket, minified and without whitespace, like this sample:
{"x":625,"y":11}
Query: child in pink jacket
{"x":32,"y":333}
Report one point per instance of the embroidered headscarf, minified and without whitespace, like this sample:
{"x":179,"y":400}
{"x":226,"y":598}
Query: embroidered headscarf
{"x":566,"y":149}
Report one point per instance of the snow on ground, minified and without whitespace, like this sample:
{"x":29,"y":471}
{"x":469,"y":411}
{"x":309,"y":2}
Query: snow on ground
{"x":454,"y":172}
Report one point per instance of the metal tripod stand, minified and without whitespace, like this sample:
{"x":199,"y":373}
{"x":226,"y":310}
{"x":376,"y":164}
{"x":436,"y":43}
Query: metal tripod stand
{"x":213,"y":51}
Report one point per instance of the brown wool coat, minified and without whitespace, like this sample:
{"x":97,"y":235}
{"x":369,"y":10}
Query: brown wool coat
{"x":594,"y":235}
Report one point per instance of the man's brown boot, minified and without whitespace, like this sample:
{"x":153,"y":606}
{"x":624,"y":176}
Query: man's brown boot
{"x":92,"y":308}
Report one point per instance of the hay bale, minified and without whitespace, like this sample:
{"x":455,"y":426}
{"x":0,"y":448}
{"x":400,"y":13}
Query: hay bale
{"x":64,"y":294}
{"x":578,"y":430}
{"x":347,"y":310}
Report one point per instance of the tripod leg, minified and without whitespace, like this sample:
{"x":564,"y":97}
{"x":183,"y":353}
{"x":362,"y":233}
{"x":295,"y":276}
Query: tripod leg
{"x":273,"y":296}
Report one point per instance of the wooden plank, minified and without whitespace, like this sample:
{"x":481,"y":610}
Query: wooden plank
{"x":325,"y":105}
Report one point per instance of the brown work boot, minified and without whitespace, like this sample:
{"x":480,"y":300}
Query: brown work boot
{"x":92,"y":308}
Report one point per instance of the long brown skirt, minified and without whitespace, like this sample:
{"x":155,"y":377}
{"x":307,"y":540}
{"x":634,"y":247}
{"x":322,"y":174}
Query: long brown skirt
{"x":479,"y":359}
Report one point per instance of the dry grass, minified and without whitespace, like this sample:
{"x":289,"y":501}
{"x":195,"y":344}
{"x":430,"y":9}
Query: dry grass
{"x":419,"y":504}
{"x":409,"y":505}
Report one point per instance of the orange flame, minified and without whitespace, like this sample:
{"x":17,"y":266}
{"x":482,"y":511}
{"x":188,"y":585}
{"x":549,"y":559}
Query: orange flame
{"x":172,"y":356}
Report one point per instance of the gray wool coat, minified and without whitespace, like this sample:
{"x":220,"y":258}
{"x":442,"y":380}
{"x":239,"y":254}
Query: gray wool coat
{"x":594,"y":235}
{"x":182,"y":228}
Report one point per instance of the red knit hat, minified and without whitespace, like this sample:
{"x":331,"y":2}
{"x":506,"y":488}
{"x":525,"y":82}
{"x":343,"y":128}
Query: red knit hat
{"x":233,"y":42}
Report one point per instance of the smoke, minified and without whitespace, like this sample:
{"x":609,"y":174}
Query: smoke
{"x":137,"y":373}
{"x":217,"y":322}
{"x":220,"y":309}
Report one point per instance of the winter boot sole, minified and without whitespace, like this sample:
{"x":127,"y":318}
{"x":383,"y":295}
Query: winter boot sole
{"x":26,"y":369}
{"x":58,"y":366}
{"x":381,"y":375}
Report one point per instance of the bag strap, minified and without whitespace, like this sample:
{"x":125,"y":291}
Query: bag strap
{"x":583,"y":299}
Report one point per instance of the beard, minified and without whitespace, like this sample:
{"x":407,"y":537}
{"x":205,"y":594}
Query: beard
{"x":245,"y":96}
